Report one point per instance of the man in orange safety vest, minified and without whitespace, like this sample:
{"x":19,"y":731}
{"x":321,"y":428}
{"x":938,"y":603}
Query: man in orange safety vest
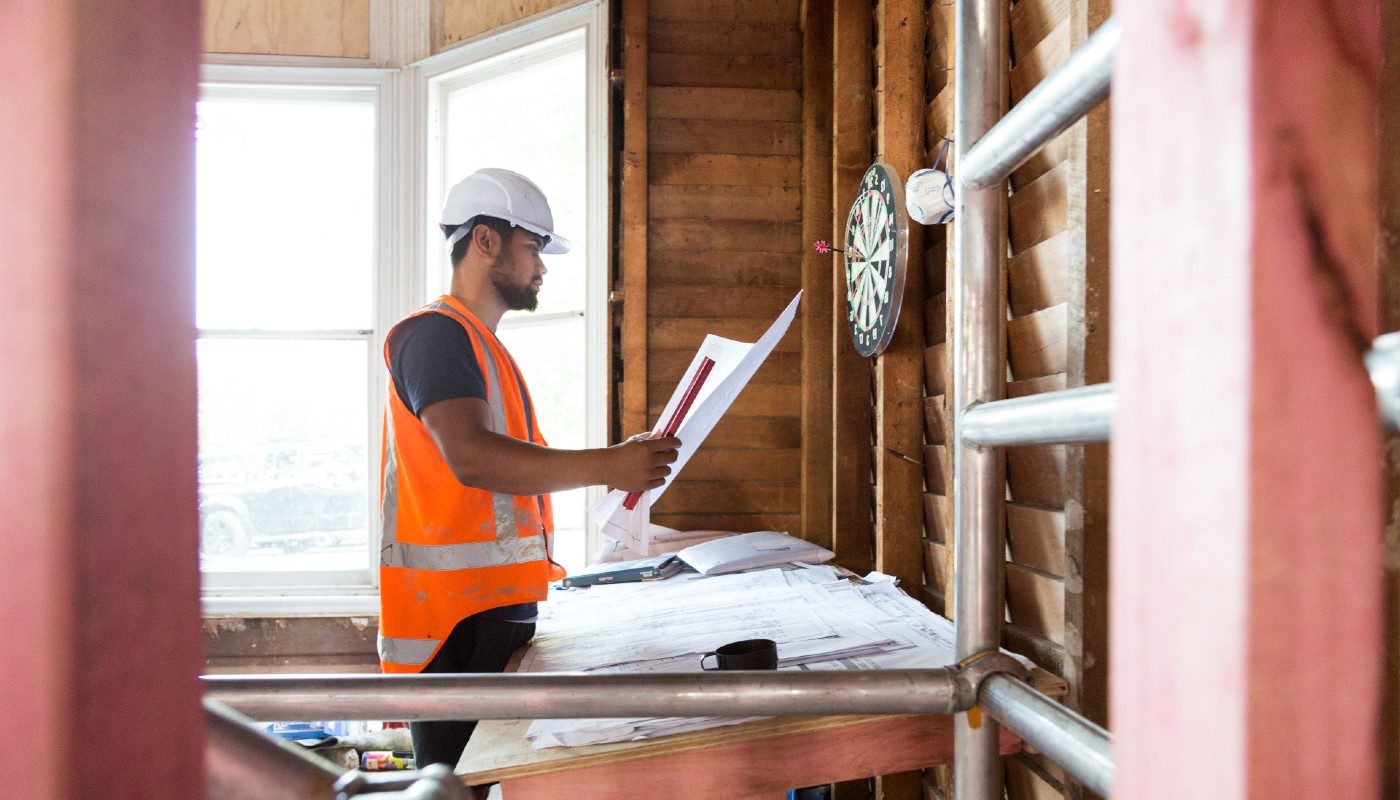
{"x":466,"y":473}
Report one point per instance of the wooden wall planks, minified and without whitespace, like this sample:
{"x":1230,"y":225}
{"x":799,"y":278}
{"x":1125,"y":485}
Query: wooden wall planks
{"x":332,"y":28}
{"x":745,"y":137}
{"x":724,"y":247}
{"x":722,"y":103}
{"x":725,"y":37}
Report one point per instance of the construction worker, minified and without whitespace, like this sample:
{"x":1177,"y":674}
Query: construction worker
{"x":466,"y":473}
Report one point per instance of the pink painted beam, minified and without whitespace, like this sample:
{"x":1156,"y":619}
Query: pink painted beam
{"x":1246,"y":477}
{"x":99,"y":587}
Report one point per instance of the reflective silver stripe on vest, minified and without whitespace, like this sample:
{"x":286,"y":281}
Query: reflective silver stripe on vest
{"x":409,"y":652}
{"x":389,"y":500}
{"x":467,"y":555}
{"x":507,"y":527}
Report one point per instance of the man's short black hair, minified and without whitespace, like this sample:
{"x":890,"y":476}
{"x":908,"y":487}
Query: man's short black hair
{"x":459,"y":249}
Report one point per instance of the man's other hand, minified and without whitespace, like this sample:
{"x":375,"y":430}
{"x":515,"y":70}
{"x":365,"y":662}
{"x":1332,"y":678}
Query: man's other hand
{"x":642,"y":462}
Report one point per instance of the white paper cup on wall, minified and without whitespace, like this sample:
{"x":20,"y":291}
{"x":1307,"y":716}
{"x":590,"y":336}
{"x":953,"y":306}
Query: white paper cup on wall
{"x":928,"y":196}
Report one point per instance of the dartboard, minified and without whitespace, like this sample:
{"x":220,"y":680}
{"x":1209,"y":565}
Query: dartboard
{"x":877,"y":252}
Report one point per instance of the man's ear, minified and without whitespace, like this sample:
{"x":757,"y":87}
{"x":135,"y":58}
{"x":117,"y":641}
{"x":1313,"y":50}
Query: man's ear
{"x":487,"y":241}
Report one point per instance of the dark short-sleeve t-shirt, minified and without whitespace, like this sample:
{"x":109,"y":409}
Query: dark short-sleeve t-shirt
{"x":431,"y":359}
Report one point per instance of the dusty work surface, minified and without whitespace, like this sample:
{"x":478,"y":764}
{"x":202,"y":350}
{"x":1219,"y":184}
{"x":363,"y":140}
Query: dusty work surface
{"x":500,"y":751}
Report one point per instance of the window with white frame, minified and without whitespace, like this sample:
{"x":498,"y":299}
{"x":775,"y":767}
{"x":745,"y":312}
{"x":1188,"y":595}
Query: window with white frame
{"x":310,"y":240}
{"x":288,"y":176}
{"x":532,"y":102}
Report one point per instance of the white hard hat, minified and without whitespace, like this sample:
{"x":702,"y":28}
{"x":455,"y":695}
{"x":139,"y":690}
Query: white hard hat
{"x":506,"y":195}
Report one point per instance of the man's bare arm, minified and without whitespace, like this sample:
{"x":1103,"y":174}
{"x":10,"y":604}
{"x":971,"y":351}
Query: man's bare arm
{"x":483,"y":459}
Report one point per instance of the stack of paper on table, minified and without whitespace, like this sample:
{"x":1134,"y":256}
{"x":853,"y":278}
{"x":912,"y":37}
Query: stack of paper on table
{"x":749,"y":550}
{"x":819,"y":619}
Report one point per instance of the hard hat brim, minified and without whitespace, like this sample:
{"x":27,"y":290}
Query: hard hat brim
{"x":554,"y":243}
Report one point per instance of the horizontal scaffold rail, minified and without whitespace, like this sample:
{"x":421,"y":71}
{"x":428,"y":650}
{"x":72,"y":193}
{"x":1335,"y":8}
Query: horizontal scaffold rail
{"x":1070,"y":416}
{"x":1076,"y":745}
{"x":1056,"y":103}
{"x":588,"y":695}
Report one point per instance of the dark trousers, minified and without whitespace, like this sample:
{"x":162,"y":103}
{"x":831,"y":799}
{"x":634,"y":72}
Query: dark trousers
{"x":477,"y":644}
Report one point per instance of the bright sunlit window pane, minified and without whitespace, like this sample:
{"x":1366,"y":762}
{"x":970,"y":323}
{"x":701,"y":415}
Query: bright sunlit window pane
{"x":286,"y":209}
{"x":531,"y":119}
{"x":282,"y":454}
{"x":551,"y":357}
{"x":526,"y":110}
{"x":286,"y":231}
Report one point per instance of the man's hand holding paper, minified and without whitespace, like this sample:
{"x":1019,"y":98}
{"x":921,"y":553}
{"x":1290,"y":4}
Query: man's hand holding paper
{"x":643,"y":461}
{"x":718,"y":373}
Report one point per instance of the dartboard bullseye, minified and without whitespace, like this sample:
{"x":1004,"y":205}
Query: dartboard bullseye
{"x":877,"y":254}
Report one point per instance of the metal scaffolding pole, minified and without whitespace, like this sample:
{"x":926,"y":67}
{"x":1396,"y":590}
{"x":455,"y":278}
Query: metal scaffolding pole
{"x":1077,"y":745}
{"x":584,"y":695}
{"x":1056,"y":103}
{"x":978,"y":375}
{"x":1071,"y":416}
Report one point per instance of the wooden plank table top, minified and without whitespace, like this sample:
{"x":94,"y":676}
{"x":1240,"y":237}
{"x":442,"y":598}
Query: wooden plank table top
{"x":753,"y":759}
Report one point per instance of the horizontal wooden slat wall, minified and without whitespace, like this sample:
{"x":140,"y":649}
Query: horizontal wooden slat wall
{"x":937,"y":508}
{"x":724,"y":245}
{"x":1036,"y":335}
{"x":333,"y":28}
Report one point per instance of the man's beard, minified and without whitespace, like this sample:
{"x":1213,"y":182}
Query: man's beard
{"x":518,"y":298}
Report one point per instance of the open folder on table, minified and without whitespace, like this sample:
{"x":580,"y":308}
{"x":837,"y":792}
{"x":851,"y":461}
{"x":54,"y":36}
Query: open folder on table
{"x":718,"y":373}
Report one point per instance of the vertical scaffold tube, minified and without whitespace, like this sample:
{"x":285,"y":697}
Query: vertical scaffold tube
{"x":978,"y":377}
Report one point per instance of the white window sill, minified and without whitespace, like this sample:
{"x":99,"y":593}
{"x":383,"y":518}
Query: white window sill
{"x":250,"y":606}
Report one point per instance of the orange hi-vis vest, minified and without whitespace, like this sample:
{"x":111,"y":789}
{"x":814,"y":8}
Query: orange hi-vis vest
{"x":447,"y":550}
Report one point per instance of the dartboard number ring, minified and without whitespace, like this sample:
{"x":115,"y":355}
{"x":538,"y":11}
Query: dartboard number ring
{"x":877,"y":255}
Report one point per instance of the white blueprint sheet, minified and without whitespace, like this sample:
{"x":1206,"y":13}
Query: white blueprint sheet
{"x":735,"y":365}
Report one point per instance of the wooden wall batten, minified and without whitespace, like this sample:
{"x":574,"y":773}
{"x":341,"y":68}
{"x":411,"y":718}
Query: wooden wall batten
{"x":899,"y":420}
{"x":900,"y":68}
{"x":1087,"y":339}
{"x":852,"y":152}
{"x":817,"y":288}
{"x":632,"y":263}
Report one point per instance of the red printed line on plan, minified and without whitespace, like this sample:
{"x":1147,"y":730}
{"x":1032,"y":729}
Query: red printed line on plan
{"x":678,"y":416}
